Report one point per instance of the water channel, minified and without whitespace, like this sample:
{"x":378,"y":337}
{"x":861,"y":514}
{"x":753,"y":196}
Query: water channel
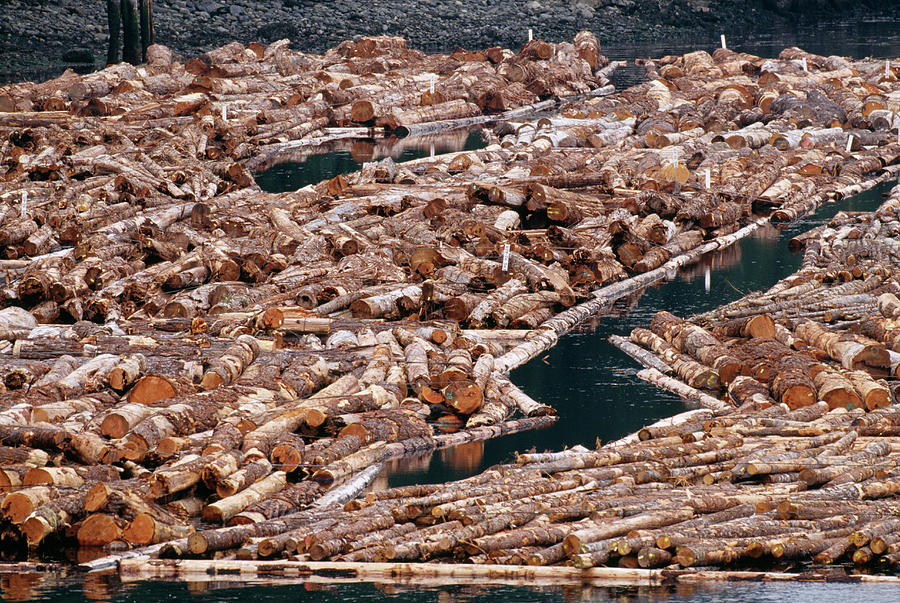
{"x":590,"y":383}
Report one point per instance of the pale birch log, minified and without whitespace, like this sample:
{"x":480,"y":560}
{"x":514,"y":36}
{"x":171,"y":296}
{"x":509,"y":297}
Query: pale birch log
{"x":648,"y":359}
{"x":683,"y":390}
{"x":226,"y":508}
{"x":350,"y":489}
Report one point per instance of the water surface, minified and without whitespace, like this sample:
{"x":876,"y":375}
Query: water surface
{"x":33,"y":587}
{"x":293,"y":171}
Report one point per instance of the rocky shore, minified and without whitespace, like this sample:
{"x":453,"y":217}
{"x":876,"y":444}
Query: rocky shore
{"x":39,"y":38}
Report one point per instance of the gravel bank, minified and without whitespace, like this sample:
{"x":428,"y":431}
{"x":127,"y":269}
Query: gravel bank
{"x":38,"y":38}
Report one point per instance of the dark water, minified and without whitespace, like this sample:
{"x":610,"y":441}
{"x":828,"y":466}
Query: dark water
{"x":592,"y":384}
{"x":108,"y":588}
{"x":296,"y":171}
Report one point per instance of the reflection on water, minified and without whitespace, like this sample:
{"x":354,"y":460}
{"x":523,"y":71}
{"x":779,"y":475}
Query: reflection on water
{"x":290,"y":171}
{"x":723,"y":260}
{"x":21,"y":587}
{"x":877,"y":38}
{"x":465,"y":458}
{"x":236,"y":590}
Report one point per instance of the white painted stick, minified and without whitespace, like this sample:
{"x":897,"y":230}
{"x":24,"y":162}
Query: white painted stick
{"x":224,"y":112}
{"x":723,"y":41}
{"x":849,"y":142}
{"x":432,"y":149}
{"x":803,"y":64}
{"x":530,"y":35}
{"x":431,"y":85}
{"x":706,"y":279}
{"x":708,"y":178}
{"x":24,"y":203}
{"x":505,"y":266}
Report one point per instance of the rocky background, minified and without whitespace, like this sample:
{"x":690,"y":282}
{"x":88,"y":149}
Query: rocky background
{"x":39,"y":38}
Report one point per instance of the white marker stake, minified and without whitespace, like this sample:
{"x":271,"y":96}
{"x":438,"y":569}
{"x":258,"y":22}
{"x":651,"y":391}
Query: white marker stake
{"x":530,"y":35}
{"x":723,"y":41}
{"x":849,"y":142}
{"x":432,"y":149}
{"x":803,"y":64}
{"x":24,"y":203}
{"x":706,"y":279}
{"x":708,"y":178}
{"x":505,"y":266}
{"x":431,"y":85}
{"x":224,"y":112}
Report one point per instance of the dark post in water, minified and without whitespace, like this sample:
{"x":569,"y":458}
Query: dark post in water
{"x":135,"y":19}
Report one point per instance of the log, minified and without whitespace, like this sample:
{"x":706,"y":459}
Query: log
{"x":223,"y":510}
{"x":144,"y":567}
{"x":232,"y":363}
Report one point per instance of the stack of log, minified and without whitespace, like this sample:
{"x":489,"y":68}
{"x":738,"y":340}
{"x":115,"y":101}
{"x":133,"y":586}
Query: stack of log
{"x":136,"y":438}
{"x":146,"y":228}
{"x":704,"y":488}
{"x":255,"y":96}
{"x":796,"y":463}
{"x":823,"y":335}
{"x":207,"y":351}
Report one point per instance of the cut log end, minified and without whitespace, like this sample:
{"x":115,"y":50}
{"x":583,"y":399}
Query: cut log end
{"x":729,"y":371}
{"x":117,"y":379}
{"x":149,"y":389}
{"x":878,"y":398}
{"x":314,"y":417}
{"x":211,"y":380}
{"x":464,"y":396}
{"x":842,"y":398}
{"x":355,"y":429}
{"x":213,"y":514}
{"x":362,"y":111}
{"x":798,"y":396}
{"x":284,"y":456}
{"x":198,"y":543}
{"x":140,"y":530}
{"x":317,"y":552}
{"x":96,"y":498}
{"x":17,"y":506}
{"x":760,"y":326}
{"x":98,"y":530}
{"x":572,"y":544}
{"x":114,"y":426}
{"x":324,"y":477}
{"x":36,"y":529}
{"x":271,"y":319}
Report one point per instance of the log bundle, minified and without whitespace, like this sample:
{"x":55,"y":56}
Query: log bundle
{"x":825,"y":334}
{"x":179,"y":348}
{"x":745,"y":487}
{"x":761,"y":477}
{"x":163,"y":430}
{"x":105,"y":218}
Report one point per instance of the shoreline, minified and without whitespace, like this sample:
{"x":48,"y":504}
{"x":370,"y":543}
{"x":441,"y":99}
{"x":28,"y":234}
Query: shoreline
{"x":39,"y":40}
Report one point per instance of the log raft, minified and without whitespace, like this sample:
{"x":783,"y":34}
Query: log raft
{"x":208,"y":350}
{"x":753,"y":479}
